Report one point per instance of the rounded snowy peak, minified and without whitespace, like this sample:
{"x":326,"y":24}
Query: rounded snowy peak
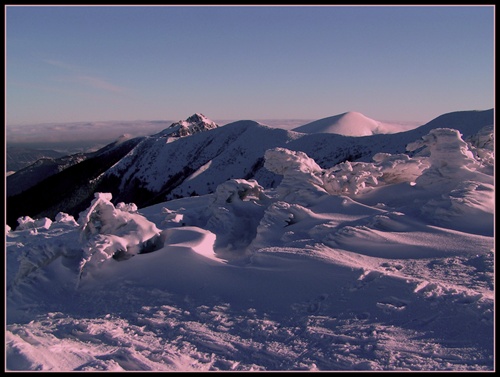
{"x":350,"y":123}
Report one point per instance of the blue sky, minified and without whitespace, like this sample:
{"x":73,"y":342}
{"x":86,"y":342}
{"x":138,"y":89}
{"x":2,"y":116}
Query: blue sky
{"x":68,"y":64}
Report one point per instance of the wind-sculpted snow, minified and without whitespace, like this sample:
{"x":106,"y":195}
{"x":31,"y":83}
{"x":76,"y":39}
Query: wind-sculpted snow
{"x":483,"y":146}
{"x":302,"y":181}
{"x":449,"y":156}
{"x":233,"y":215}
{"x":109,"y":232}
{"x":467,"y":194}
{"x":384,"y":265}
{"x":303,"y":177}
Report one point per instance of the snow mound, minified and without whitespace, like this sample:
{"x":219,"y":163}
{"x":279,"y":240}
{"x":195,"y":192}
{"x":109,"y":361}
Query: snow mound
{"x":199,"y":240}
{"x":350,"y":124}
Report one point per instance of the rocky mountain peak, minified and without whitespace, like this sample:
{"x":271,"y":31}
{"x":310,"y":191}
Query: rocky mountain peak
{"x":193,"y":124}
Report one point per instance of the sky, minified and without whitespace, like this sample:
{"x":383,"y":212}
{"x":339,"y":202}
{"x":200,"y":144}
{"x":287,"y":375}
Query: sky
{"x":104,"y":63}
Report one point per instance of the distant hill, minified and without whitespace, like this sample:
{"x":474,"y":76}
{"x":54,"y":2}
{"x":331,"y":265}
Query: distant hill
{"x":351,"y":124}
{"x":18,"y":158}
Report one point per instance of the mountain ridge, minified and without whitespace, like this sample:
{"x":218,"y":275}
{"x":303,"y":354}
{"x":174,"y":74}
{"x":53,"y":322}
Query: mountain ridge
{"x":155,"y":169}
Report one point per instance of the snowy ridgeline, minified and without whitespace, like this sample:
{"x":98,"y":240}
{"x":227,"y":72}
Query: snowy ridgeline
{"x":438,"y":203}
{"x":450,"y":179}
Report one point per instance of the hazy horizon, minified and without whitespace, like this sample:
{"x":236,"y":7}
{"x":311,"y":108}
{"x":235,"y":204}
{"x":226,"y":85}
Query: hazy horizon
{"x":123,"y":63}
{"x":85,"y":132}
{"x":95,"y":132}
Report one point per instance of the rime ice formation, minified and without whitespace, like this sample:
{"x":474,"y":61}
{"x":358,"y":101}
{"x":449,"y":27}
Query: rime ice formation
{"x":467,"y":194}
{"x":112,"y":232}
{"x":302,"y":182}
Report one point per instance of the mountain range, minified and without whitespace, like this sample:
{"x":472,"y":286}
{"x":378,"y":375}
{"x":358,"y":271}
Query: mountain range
{"x":18,"y":158}
{"x":192,"y":157}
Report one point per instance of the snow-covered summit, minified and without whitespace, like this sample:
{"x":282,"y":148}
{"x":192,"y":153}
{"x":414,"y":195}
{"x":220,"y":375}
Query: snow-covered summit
{"x":350,"y":123}
{"x":194,"y":124}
